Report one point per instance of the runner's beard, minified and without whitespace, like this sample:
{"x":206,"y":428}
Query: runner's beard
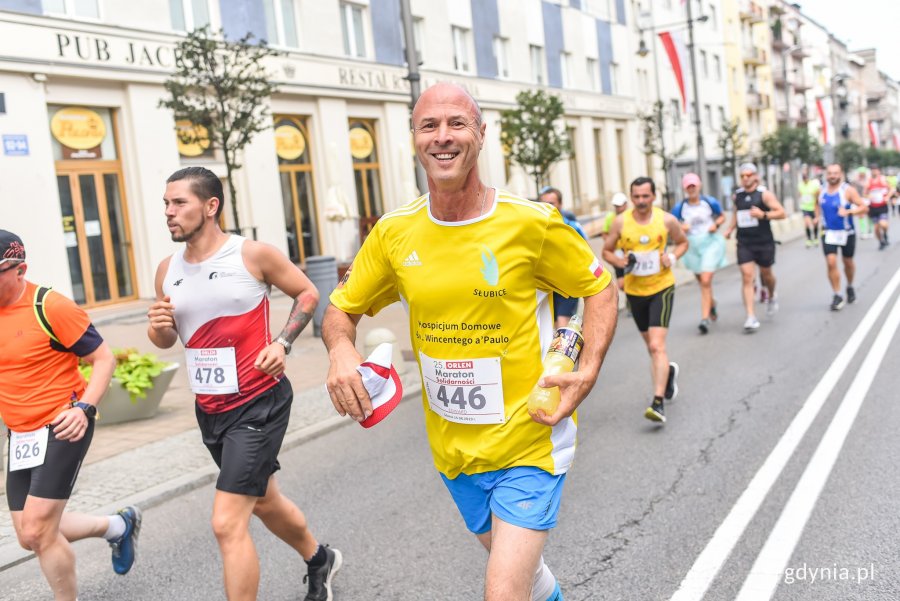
{"x":184,"y":237}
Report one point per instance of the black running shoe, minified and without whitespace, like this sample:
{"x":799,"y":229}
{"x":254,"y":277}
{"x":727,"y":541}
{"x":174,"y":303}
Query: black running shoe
{"x":672,"y":381}
{"x":656,"y":412}
{"x":713,"y":314}
{"x":320,"y":578}
{"x":837,"y":303}
{"x":851,"y":295}
{"x":704,"y":326}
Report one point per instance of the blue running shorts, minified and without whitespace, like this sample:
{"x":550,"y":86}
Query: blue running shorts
{"x":522,"y":496}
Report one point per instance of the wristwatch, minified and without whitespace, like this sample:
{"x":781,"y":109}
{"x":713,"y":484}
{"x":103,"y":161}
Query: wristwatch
{"x":89,"y":410}
{"x":287,"y":345}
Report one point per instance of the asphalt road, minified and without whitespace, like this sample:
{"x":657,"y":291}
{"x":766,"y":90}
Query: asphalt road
{"x":641,"y":503}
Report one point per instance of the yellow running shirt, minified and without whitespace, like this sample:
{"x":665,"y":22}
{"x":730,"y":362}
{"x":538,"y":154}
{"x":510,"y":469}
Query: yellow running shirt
{"x":477,"y":293}
{"x":648,"y":243}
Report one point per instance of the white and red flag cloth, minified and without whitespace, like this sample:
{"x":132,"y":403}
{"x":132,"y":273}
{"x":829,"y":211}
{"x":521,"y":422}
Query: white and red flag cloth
{"x":825,"y":109}
{"x":874,"y":135}
{"x":676,"y":51}
{"x":382,"y":383}
{"x":896,"y":141}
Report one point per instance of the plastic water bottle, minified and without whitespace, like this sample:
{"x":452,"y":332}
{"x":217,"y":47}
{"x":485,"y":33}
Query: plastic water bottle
{"x":560,"y":358}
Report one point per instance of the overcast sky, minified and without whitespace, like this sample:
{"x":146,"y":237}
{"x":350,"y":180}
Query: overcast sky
{"x":862,"y":24}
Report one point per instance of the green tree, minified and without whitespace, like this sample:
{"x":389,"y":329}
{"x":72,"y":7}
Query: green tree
{"x":882,"y":157}
{"x":653,"y":125}
{"x":731,"y":138}
{"x":532,"y":134}
{"x":221,"y":86}
{"x":789,"y":143}
{"x":849,"y":155}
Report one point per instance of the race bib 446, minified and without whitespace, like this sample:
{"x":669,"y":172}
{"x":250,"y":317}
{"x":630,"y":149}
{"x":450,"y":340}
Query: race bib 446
{"x":465,"y":391}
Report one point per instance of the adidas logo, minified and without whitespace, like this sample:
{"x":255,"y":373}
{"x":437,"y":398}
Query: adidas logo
{"x":412,"y":260}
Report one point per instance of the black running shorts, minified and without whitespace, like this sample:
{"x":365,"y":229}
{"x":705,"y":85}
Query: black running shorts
{"x":879,"y":213}
{"x":652,"y":311}
{"x":55,"y":478}
{"x":761,"y":254}
{"x":846,"y":251}
{"x":244,"y":442}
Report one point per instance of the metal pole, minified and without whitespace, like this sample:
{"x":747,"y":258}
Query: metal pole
{"x":701,"y":158}
{"x":412,"y":65}
{"x":659,"y":115}
{"x":787,"y":93}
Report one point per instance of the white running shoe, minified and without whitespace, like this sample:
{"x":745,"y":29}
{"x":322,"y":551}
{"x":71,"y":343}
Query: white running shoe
{"x":772,"y":305}
{"x":751,"y":325}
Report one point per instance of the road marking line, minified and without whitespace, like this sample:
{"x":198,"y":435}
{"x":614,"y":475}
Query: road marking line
{"x":768,"y":569}
{"x":707,"y":565}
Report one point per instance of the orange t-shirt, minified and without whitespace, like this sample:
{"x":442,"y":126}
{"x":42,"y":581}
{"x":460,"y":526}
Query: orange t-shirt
{"x":36,"y":381}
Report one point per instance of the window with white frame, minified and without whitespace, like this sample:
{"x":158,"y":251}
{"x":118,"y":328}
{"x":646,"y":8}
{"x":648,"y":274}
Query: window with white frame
{"x":536,"y":54}
{"x":418,"y":25}
{"x":72,"y":8}
{"x":501,"y":56}
{"x":613,"y":78}
{"x":565,"y":69}
{"x":704,"y":64}
{"x":707,"y":113}
{"x":281,"y":23}
{"x":461,"y":49}
{"x":188,"y":15}
{"x":717,"y":67}
{"x":593,"y":70}
{"x":723,"y":120}
{"x":353,"y":30}
{"x":713,"y":16}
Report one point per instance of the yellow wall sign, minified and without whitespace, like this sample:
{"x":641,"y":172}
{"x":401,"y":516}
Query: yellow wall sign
{"x":289,"y":142}
{"x":361,"y":143}
{"x":191,"y":131}
{"x":78,"y":128}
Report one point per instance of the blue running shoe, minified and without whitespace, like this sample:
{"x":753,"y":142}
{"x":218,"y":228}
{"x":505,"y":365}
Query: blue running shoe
{"x":556,"y":595}
{"x":124,"y":548}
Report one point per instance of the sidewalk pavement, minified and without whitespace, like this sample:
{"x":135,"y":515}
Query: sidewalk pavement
{"x":147,"y":462}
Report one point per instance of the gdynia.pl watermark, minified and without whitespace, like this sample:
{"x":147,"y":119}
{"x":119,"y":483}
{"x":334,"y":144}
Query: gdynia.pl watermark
{"x":833,"y":573}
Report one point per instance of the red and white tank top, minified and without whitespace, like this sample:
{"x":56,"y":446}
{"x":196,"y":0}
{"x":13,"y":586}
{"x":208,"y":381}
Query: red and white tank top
{"x":222,"y":316}
{"x":878,"y":192}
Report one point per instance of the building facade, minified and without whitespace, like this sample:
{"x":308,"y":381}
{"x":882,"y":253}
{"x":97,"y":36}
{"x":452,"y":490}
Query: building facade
{"x":87,"y":147}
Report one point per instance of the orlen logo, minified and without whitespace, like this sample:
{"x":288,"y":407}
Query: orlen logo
{"x":207,"y":352}
{"x":459,"y":364}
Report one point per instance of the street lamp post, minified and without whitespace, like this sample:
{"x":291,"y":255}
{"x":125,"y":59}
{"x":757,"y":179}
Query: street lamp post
{"x":412,"y":64}
{"x":701,"y":158}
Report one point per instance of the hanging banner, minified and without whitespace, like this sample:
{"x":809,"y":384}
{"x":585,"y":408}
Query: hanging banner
{"x":896,"y":141}
{"x":824,"y":107}
{"x":874,"y":136}
{"x":674,"y":50}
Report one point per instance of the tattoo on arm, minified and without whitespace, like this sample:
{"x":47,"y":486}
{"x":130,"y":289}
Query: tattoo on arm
{"x":301,"y":314}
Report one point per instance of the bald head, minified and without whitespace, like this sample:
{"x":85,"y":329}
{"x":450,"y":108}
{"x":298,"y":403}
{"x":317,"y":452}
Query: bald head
{"x":447,"y":93}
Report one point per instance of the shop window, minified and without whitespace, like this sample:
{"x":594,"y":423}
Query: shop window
{"x":297,"y":190}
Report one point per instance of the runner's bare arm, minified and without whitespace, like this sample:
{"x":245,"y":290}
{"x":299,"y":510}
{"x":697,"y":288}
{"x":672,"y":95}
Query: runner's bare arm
{"x":161,"y":314}
{"x":678,"y":238}
{"x":271,"y":266}
{"x":600,"y":313}
{"x":348,"y":395}
{"x":733,"y":224}
{"x":860,"y":208}
{"x":776,"y":211}
{"x":72,"y":423}
{"x":609,"y":244}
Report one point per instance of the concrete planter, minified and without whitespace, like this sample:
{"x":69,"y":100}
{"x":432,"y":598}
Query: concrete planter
{"x":116,"y":406}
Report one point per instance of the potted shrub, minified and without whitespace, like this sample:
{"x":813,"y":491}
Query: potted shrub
{"x":137,"y":386}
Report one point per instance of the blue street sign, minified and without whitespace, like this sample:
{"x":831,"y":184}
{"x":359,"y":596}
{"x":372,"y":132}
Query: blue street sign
{"x":15,"y":145}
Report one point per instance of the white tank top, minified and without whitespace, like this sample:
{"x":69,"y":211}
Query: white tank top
{"x":219,"y":304}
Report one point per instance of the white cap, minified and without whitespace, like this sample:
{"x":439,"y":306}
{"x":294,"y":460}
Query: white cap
{"x":619,"y":199}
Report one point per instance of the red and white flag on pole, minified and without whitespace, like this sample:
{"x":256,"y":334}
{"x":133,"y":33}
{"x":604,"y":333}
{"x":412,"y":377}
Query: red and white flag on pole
{"x":824,"y":108}
{"x":896,"y":141}
{"x":874,"y":136}
{"x":676,"y":51}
